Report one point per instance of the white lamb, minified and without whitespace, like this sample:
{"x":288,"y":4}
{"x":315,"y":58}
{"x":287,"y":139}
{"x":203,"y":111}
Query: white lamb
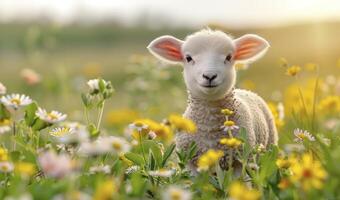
{"x":209,"y":57}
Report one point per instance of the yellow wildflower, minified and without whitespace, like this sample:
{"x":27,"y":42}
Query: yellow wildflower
{"x":209,"y":159}
{"x":284,"y":184}
{"x":229,"y":123}
{"x":227,"y":112}
{"x":25,"y":168}
{"x":182,"y":123}
{"x":231,"y":142}
{"x":161,"y":130}
{"x":121,"y":116}
{"x":330,"y":104}
{"x":239,"y":191}
{"x":125,"y":160}
{"x":283,"y":163}
{"x":293,"y":70}
{"x":3,"y":154}
{"x":105,"y":190}
{"x":308,"y":172}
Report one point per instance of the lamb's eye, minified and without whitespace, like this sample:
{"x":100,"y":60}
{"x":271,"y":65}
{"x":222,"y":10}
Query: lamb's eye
{"x":228,"y":58}
{"x":188,"y":58}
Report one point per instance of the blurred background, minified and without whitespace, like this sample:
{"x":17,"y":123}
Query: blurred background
{"x":49,"y":49}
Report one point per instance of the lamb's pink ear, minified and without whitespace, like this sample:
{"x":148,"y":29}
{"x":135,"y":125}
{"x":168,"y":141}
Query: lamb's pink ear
{"x":167,"y":48}
{"x":250,"y":47}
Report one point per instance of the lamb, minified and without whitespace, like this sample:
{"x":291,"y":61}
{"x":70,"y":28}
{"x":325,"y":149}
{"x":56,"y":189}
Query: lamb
{"x":209,"y":57}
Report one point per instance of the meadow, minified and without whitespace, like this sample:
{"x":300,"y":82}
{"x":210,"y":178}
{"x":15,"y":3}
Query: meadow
{"x":117,"y":139}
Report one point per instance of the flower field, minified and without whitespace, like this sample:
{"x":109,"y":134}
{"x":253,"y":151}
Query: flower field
{"x":92,"y":132}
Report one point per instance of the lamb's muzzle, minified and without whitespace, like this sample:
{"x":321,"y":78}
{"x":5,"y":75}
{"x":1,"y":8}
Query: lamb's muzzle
{"x":209,"y":73}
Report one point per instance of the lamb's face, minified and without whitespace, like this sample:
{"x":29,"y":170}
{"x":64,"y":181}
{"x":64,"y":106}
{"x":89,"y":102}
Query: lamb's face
{"x":208,"y":58}
{"x":209,"y":71}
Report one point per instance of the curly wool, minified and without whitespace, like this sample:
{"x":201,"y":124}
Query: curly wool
{"x":250,"y":112}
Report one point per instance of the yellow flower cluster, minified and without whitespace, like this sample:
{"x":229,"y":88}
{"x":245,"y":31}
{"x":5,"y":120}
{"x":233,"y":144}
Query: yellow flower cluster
{"x":121,"y":116}
{"x":209,"y":159}
{"x":25,"y":168}
{"x":182,"y":123}
{"x":105,"y":190}
{"x":293,"y":70}
{"x":227,"y":112}
{"x":231,"y":142}
{"x":3,"y":154}
{"x":229,"y":123}
{"x":306,"y":172}
{"x":330,"y":104}
{"x":5,"y":122}
{"x":309,"y":173}
{"x":239,"y":191}
{"x":161,"y":130}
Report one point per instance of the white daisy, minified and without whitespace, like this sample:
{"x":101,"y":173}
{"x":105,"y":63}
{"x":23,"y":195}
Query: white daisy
{"x":118,"y":144}
{"x":80,"y":132}
{"x":106,"y":169}
{"x":229,"y":126}
{"x":139,"y":126}
{"x":98,"y":147}
{"x":5,"y":126}
{"x":162,"y":173}
{"x":15,"y":100}
{"x":132,"y":169}
{"x":176,"y":193}
{"x":94,"y":85}
{"x":50,"y":117}
{"x":302,"y":135}
{"x":2,"y":89}
{"x":54,"y":165}
{"x":6,"y":167}
{"x":63,"y":134}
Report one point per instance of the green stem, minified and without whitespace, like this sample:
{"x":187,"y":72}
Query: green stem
{"x":14,"y":133}
{"x":230,"y":158}
{"x":38,"y":138}
{"x":314,"y":128}
{"x":86,"y":111}
{"x":100,"y":115}
{"x":141,"y":144}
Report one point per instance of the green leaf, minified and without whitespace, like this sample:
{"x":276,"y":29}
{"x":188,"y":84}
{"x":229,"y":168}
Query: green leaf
{"x":40,"y":125}
{"x":267,"y":163}
{"x":102,"y":85}
{"x":192,"y":151}
{"x":168,"y":153}
{"x":151,"y":145}
{"x":85,"y":100}
{"x":30,"y":116}
{"x":135,"y":158}
{"x":4,"y":113}
{"x":94,"y":132}
{"x":152,"y":161}
{"x":138,"y":184}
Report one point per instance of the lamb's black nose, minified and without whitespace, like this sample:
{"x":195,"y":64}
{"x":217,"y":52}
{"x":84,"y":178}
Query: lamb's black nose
{"x":209,"y":77}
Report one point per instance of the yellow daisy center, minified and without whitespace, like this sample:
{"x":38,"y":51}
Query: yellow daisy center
{"x":176,"y":195}
{"x":229,"y":123}
{"x":16,"y":101}
{"x":301,"y":135}
{"x":117,"y":146}
{"x":139,"y":124}
{"x":52,"y":116}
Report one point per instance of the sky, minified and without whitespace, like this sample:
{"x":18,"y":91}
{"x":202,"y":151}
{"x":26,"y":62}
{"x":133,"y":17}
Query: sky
{"x":236,"y":13}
